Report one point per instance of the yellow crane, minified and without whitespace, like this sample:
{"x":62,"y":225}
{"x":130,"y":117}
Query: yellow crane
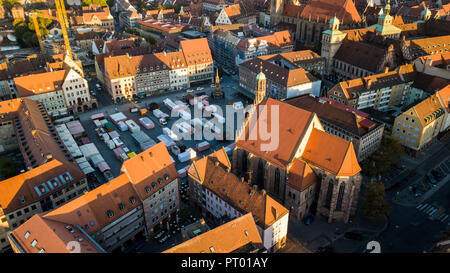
{"x":33,"y":16}
{"x":61,"y":17}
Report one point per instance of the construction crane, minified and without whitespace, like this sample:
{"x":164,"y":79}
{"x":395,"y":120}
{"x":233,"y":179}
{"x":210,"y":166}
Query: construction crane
{"x":61,"y":17}
{"x":33,"y":16}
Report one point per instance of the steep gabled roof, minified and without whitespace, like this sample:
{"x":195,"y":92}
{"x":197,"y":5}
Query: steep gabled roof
{"x":301,"y":176}
{"x":292,"y":123}
{"x":50,"y":237}
{"x":226,"y":238}
{"x":197,"y":170}
{"x":338,"y":157}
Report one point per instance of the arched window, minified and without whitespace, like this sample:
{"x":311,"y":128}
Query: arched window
{"x":276,"y":185}
{"x":244,"y":162}
{"x":329,"y":194}
{"x":340,"y":197}
{"x":260,"y":175}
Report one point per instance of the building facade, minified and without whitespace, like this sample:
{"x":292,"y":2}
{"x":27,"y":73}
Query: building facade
{"x":345,"y":122}
{"x":303,"y":139}
{"x":222,"y":195}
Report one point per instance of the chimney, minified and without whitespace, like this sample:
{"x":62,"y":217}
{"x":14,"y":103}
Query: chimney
{"x":386,"y":69}
{"x":242,"y":179}
{"x":263,"y":192}
{"x":255,"y":187}
{"x":369,"y":83}
{"x":429,"y":62}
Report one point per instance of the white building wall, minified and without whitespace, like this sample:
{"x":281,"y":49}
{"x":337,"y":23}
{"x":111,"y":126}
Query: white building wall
{"x":302,"y":89}
{"x":179,"y":79}
{"x":75,"y":87}
{"x":223,"y":19}
{"x":273,"y":234}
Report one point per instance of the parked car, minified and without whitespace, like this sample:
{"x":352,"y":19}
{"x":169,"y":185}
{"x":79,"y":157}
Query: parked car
{"x":431,"y":179}
{"x":175,"y":150}
{"x":189,"y":90}
{"x":163,"y":121}
{"x":437,"y":175}
{"x":181,"y":146}
{"x":354,"y":236}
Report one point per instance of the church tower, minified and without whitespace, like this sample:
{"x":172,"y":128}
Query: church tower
{"x":260,"y":92}
{"x":217,"y":91}
{"x":276,"y":10}
{"x":331,"y":42}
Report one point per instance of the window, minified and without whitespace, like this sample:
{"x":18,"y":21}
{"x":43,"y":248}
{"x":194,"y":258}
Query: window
{"x":33,"y":243}
{"x":27,"y":234}
{"x":33,"y":207}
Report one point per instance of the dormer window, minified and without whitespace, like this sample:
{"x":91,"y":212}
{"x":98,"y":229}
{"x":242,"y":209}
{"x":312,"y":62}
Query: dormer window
{"x":110,"y":213}
{"x":121,"y":206}
{"x":132,"y":199}
{"x":147,"y":188}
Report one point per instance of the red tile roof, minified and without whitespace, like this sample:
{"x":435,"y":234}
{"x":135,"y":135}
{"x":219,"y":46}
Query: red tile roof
{"x":292,"y":123}
{"x":301,"y":176}
{"x":151,"y":169}
{"x":196,"y":51}
{"x":226,"y":238}
{"x":50,"y":237}
{"x":331,"y":153}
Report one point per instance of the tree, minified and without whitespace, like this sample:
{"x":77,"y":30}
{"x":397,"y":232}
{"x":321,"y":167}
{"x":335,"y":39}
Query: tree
{"x":9,"y":4}
{"x":101,"y":3}
{"x":132,"y":31}
{"x":177,"y":7}
{"x":375,"y":205}
{"x":184,"y":212}
{"x":382,"y":160}
{"x":150,"y":39}
{"x":7,"y":169}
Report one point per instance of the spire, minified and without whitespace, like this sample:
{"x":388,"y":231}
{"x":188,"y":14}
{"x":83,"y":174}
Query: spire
{"x":387,"y":8}
{"x":260,"y":92}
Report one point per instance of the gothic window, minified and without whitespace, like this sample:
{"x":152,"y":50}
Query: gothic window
{"x":260,"y":175}
{"x":329,"y":194}
{"x":244,"y":161}
{"x":276,"y":186}
{"x":340,"y":197}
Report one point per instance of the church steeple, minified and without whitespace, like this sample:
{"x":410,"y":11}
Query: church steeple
{"x":387,"y":8}
{"x":217,"y":92}
{"x":260,"y":92}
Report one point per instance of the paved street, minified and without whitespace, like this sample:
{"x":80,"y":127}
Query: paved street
{"x":411,"y":216}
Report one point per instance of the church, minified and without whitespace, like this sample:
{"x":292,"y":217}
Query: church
{"x":306,"y":22}
{"x":307,"y":170}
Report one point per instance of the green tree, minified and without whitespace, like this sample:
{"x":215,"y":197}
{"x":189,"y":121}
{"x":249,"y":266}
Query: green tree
{"x":382,"y":160}
{"x":7,"y":169}
{"x":102,"y":3}
{"x":177,"y":7}
{"x":150,"y":39}
{"x":8,"y":4}
{"x":132,"y":31}
{"x":184,"y":212}
{"x":375,"y":205}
